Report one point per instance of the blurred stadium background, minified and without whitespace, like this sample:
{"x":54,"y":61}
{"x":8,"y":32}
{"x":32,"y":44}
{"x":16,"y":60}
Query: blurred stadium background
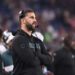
{"x":55,"y":18}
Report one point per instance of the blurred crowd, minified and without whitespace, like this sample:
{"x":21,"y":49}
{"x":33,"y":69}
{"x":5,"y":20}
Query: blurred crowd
{"x":55,"y":17}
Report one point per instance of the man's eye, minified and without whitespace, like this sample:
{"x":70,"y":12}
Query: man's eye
{"x":32,"y":17}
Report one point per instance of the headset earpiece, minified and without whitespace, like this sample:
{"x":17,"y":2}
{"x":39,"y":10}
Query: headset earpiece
{"x":21,"y":14}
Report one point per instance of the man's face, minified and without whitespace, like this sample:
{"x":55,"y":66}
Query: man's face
{"x":30,"y":21}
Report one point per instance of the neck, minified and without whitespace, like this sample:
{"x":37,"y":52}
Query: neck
{"x":24,"y":28}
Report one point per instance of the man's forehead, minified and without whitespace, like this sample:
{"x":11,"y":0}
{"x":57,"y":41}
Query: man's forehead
{"x":30,"y":14}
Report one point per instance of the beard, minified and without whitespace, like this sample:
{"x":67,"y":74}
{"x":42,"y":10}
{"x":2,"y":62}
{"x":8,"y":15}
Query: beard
{"x":30,"y":27}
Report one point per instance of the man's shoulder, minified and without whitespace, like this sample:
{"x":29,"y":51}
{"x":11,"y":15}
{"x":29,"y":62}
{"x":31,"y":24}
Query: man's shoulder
{"x":18,"y":37}
{"x":60,"y":52}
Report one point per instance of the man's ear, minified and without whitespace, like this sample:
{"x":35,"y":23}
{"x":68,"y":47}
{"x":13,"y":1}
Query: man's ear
{"x":23,"y":21}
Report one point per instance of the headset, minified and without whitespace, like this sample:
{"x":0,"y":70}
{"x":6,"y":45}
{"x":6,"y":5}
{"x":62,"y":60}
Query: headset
{"x":21,"y":14}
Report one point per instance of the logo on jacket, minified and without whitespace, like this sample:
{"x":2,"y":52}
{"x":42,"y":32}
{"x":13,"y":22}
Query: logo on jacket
{"x":22,"y":45}
{"x":34,"y":45}
{"x":38,"y":46}
{"x":31,"y":45}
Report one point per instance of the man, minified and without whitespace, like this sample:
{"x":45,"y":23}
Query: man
{"x":28,"y":52}
{"x":64,"y":63}
{"x":2,"y":50}
{"x":6,"y":56}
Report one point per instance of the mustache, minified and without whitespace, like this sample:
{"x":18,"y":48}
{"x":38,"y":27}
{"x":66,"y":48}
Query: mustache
{"x":34,"y":23}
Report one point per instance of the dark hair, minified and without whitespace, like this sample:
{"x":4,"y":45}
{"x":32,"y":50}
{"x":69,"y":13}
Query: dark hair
{"x":66,"y":42}
{"x":23,"y":13}
{"x":1,"y":33}
{"x":70,"y":36}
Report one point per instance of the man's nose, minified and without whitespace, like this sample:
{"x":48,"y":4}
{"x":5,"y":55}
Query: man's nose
{"x":35,"y":20}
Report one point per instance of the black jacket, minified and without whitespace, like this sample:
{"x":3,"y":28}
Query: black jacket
{"x":28,"y":55}
{"x":64,"y":63}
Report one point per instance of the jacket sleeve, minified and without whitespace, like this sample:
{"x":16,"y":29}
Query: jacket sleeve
{"x":44,"y":56}
{"x":22,"y":50}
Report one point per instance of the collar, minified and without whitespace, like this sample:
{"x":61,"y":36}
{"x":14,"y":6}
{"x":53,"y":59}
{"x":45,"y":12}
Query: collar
{"x":21,"y":32}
